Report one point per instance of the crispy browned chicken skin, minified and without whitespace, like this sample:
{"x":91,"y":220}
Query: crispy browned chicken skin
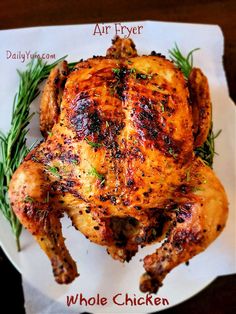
{"x":119,"y":161}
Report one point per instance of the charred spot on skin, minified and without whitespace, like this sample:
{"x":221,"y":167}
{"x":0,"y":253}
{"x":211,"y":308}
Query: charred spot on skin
{"x":94,"y":125}
{"x":166,"y":139}
{"x":123,"y":228}
{"x":165,"y":100}
{"x":64,"y":73}
{"x":103,"y":133}
{"x":157,"y":54}
{"x":130,"y":182}
{"x":68,"y":156}
{"x":126,"y":202}
{"x":135,"y":152}
{"x":151,"y":233}
{"x":218,"y":228}
{"x":88,"y":210}
{"x":70,"y":183}
{"x":184,"y":212}
{"x":33,"y":158}
{"x":150,"y":126}
{"x":113,"y":200}
{"x":147,"y":193}
{"x":64,"y":188}
{"x":118,"y":154}
{"x":85,"y":117}
{"x":180,"y":220}
{"x":103,"y":198}
{"x":129,"y":254}
{"x":56,"y":80}
{"x":184,"y":189}
{"x":110,"y":136}
{"x":185,"y":237}
{"x":149,"y":284}
{"x":118,"y":86}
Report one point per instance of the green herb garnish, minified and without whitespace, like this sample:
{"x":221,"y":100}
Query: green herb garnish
{"x":49,"y":133}
{"x":162,"y":108}
{"x":13,"y":147}
{"x":47,"y":198}
{"x":132,"y":70}
{"x":116,"y":71}
{"x":184,"y":63}
{"x":54,"y":171}
{"x":171,"y":152}
{"x":29,"y":199}
{"x":96,"y":174}
{"x":141,"y":76}
{"x":74,"y":161}
{"x":154,"y":232}
{"x":197,"y":188}
{"x":93,"y":144}
{"x":187,"y":175}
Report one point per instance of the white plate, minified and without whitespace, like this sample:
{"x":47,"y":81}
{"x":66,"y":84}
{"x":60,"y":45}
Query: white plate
{"x":99,"y":273}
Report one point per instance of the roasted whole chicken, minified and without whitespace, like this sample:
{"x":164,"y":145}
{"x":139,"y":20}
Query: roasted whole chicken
{"x":118,"y":158}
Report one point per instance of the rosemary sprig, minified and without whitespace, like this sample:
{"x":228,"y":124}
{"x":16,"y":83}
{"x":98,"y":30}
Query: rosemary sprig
{"x":13,"y":147}
{"x":207,"y":150}
{"x":71,"y":65}
{"x":184,"y":63}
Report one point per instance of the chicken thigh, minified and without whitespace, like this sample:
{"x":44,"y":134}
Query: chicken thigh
{"x":118,"y":158}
